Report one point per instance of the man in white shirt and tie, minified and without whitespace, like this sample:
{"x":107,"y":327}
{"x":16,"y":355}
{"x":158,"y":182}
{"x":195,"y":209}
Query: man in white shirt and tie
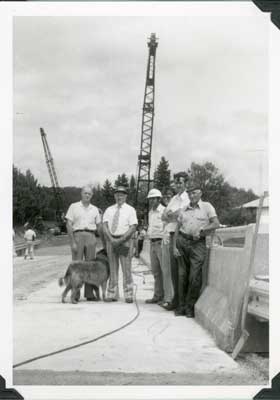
{"x":119,"y":225}
{"x":83,"y":220}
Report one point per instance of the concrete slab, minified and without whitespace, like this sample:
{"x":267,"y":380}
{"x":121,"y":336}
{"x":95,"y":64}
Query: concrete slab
{"x":157,"y":342}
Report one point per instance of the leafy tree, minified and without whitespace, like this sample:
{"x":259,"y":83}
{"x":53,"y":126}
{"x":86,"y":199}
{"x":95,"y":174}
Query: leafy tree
{"x":132,"y":191}
{"x":224,"y":197}
{"x":26,"y":197}
{"x":122,"y":180}
{"x":97,"y":198}
{"x":107,"y":195}
{"x":162,"y":174}
{"x":212,"y":183}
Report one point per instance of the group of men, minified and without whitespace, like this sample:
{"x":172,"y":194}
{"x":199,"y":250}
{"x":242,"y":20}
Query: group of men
{"x":177,"y":233}
{"x":118,"y":225}
{"x":177,"y":227}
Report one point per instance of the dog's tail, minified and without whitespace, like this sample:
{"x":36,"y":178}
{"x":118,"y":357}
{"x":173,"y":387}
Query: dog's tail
{"x":64,"y":281}
{"x":61,"y":282}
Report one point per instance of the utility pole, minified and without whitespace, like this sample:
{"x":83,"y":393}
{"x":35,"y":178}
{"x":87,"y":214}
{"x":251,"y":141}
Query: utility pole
{"x":144,"y":158}
{"x":261,"y":161}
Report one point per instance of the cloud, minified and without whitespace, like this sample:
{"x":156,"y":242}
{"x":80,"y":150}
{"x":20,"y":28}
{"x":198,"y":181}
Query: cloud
{"x":82,"y":79}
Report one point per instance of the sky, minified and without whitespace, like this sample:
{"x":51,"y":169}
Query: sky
{"x":82,"y":79}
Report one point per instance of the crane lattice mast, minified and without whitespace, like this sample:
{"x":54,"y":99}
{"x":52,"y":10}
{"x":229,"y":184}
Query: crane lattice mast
{"x":144,"y":158}
{"x":54,"y":181}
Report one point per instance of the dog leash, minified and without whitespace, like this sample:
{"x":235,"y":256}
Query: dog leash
{"x":88,"y":341}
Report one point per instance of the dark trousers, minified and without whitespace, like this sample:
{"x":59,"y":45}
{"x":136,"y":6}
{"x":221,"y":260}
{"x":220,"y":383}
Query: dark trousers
{"x":174,"y":271}
{"x":140,"y":243}
{"x":190,"y":263}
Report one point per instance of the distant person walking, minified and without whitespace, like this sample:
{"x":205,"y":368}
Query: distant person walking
{"x":29,"y":237}
{"x":196,"y":221}
{"x":119,"y":225}
{"x":83,"y":221}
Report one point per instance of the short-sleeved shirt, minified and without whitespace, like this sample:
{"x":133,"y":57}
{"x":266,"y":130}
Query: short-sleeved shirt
{"x":155,"y":229}
{"x":127,"y":218}
{"x":195,"y":218}
{"x":178,"y":202}
{"x":83,"y":217}
{"x":29,"y":235}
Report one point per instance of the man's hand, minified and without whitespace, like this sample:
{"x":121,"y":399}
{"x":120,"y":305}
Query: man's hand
{"x":74,"y":246}
{"x":196,"y":237}
{"x":115,"y":242}
{"x":176,"y":252}
{"x":173,"y":215}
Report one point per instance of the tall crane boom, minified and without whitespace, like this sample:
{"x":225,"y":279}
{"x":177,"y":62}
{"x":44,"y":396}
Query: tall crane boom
{"x":144,"y":158}
{"x":54,"y":181}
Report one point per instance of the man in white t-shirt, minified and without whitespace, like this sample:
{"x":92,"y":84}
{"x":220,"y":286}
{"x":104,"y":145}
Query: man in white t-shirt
{"x":119,"y":225}
{"x":83,"y":221}
{"x":29,"y":237}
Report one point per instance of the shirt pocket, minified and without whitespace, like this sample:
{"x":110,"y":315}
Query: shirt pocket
{"x":202,"y":219}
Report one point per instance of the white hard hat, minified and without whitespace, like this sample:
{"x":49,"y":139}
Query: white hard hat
{"x":154,"y":193}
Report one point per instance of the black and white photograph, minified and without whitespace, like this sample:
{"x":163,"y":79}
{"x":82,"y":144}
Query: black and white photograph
{"x":140,"y":200}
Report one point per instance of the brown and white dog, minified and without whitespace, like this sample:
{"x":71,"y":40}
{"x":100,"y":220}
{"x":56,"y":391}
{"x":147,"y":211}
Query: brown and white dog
{"x":95,"y":272}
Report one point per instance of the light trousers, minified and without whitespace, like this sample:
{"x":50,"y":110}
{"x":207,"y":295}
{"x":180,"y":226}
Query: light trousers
{"x":114,"y":260}
{"x":86,"y":243}
{"x":166,"y":272}
{"x":29,"y":251}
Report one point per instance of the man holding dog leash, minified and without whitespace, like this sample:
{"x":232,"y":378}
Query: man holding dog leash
{"x":83,"y":220}
{"x":119,"y":225}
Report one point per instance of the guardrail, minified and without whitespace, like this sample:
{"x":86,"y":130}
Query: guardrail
{"x":20,"y":246}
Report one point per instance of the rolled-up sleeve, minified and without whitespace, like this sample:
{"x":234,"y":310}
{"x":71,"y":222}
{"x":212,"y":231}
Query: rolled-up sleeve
{"x":106,"y":215}
{"x":69,"y":215}
{"x":132,"y":217}
{"x":211,"y":212}
{"x":97,"y":218}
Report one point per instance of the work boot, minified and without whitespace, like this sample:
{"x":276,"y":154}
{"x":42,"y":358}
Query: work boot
{"x":189,"y":313}
{"x":179,"y":312}
{"x":167,"y":306}
{"x":153,"y":300}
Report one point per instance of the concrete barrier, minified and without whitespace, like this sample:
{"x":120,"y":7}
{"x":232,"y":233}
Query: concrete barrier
{"x":219,"y":306}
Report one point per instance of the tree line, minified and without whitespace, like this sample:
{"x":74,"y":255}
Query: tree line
{"x":31,"y":201}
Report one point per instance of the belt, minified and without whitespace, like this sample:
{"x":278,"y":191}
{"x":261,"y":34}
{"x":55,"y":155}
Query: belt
{"x":190,"y":237}
{"x":155,"y":240}
{"x":85,"y":230}
{"x":116,"y":236}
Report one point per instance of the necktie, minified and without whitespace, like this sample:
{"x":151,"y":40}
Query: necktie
{"x":115,"y":221}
